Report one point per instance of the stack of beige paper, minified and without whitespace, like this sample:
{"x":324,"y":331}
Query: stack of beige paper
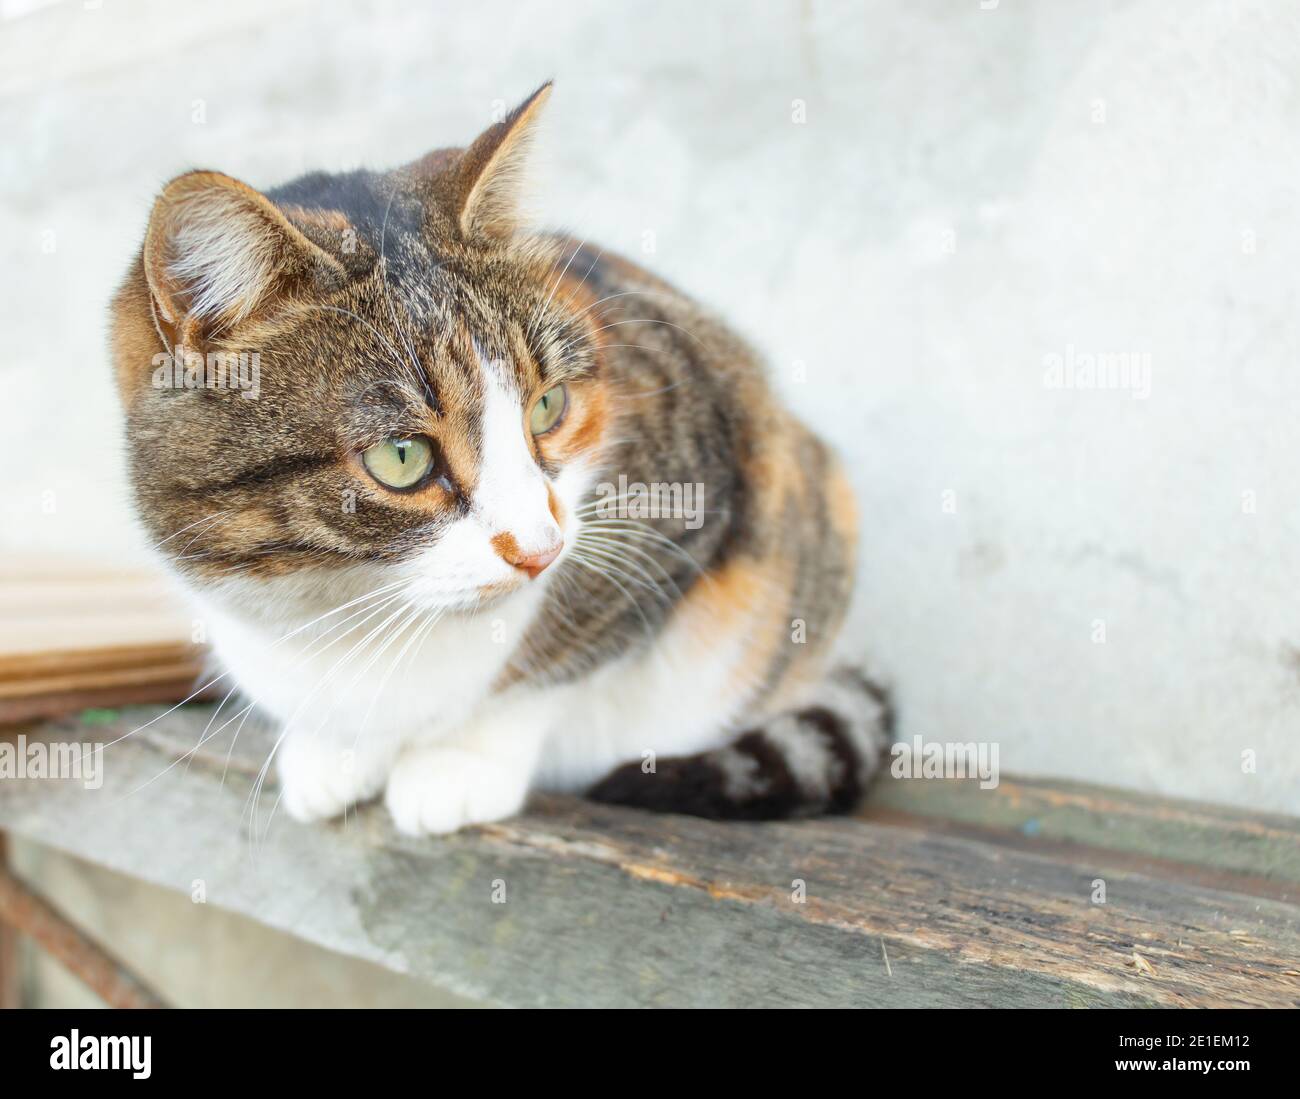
{"x":74,"y":636}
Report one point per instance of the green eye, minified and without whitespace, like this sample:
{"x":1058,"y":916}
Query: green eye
{"x":399,"y":463}
{"x":547,"y":411}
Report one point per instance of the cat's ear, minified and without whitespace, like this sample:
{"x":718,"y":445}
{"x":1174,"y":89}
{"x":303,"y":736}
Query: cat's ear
{"x":489,"y":172}
{"x":218,"y":253}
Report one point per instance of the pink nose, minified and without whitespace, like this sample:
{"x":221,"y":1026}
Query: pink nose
{"x":531,"y":563}
{"x":535,"y":563}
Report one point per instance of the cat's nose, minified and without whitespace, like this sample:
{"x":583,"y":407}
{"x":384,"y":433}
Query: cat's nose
{"x":532,"y":563}
{"x":535,"y":563}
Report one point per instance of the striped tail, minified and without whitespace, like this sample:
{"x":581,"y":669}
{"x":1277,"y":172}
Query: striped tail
{"x":804,"y":763}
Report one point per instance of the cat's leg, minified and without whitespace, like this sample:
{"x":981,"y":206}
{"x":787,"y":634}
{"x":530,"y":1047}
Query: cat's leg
{"x":481,"y":773}
{"x":325,"y":771}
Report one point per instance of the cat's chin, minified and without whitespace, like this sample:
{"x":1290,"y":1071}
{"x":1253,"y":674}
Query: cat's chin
{"x":478,"y":599}
{"x":494,"y":593}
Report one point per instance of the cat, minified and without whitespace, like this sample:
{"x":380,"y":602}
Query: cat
{"x":502,"y":511}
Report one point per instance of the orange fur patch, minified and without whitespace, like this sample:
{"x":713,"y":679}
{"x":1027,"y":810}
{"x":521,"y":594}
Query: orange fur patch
{"x":746,"y":598}
{"x":843,"y":506}
{"x":506,"y":546}
{"x":583,"y":426}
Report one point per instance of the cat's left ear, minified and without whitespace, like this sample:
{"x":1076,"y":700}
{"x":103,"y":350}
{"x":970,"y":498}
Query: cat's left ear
{"x":489,"y":173}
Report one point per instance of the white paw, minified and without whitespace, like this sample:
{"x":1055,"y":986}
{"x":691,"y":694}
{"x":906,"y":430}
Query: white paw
{"x":436,"y":790}
{"x":320,"y":778}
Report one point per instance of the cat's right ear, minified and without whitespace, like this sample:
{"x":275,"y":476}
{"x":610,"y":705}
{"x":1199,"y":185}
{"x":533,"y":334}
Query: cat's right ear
{"x":217,"y":254}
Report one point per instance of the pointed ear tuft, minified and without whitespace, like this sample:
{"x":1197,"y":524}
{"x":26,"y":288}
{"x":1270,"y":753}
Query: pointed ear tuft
{"x":217,"y":253}
{"x":490,"y":171}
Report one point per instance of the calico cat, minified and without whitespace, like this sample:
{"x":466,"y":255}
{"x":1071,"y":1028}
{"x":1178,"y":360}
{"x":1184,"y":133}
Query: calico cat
{"x":427,"y":541}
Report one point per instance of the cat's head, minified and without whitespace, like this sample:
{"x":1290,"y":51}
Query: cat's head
{"x":373,"y":373}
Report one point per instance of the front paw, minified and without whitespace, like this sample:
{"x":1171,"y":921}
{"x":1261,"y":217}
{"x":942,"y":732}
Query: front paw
{"x":319,"y":778}
{"x":435,"y":790}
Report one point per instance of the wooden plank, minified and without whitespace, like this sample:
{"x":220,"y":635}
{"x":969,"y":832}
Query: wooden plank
{"x":35,"y":707}
{"x":1258,"y":852}
{"x":27,"y":911}
{"x":10,"y":978}
{"x":73,"y":606}
{"x":575,"y":903}
{"x":90,"y":680}
{"x":74,"y":635}
{"x":41,"y":664}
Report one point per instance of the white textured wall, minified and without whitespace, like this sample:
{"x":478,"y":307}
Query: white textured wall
{"x":972,"y":191}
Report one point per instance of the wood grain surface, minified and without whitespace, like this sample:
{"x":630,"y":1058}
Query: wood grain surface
{"x":74,"y":636}
{"x":937,"y":895}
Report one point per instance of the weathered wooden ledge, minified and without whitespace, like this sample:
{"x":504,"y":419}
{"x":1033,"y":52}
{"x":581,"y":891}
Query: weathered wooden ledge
{"x":938,"y":894}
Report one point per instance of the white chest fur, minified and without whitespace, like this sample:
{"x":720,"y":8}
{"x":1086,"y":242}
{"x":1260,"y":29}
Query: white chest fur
{"x":375,"y":670}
